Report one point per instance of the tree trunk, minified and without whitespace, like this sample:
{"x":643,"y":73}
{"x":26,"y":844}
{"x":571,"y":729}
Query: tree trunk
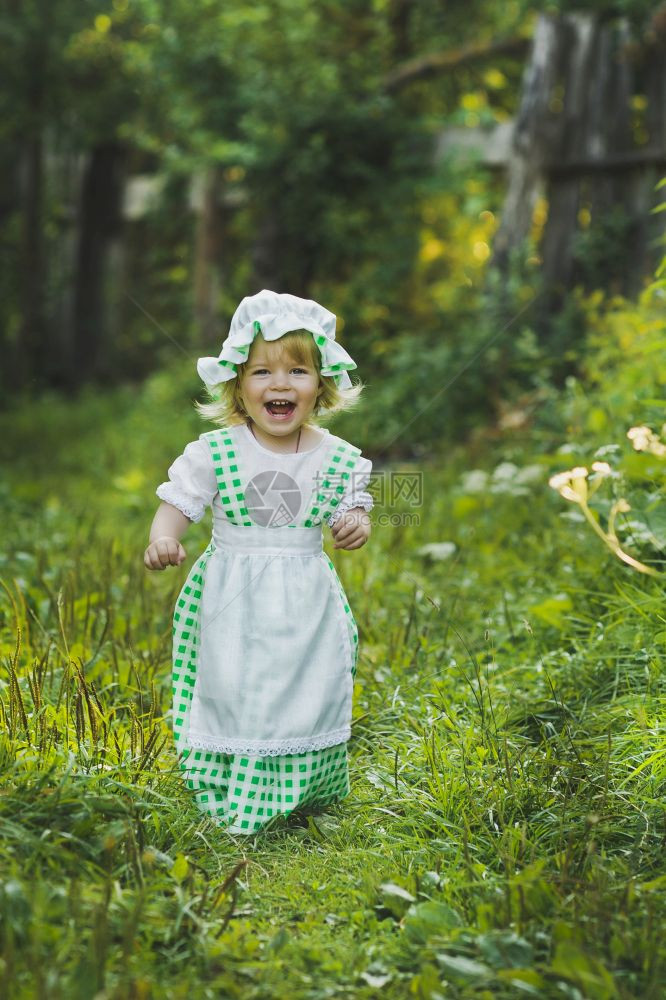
{"x":653,"y":71}
{"x":594,"y":125}
{"x":400,"y":14}
{"x":100,"y":222}
{"x":66,"y":167}
{"x":209,"y":246}
{"x":574,"y":142}
{"x":11,"y":274}
{"x":28,"y":348}
{"x":535,"y":134}
{"x":265,"y":268}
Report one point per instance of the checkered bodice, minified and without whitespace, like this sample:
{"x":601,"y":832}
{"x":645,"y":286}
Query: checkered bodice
{"x":275,"y":497}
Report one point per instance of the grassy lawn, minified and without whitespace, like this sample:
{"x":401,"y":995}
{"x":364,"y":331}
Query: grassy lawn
{"x":504,"y":836}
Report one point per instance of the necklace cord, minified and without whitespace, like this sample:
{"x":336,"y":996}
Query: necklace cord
{"x":298,"y":440}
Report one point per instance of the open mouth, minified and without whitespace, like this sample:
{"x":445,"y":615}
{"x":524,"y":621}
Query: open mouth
{"x":280,"y":408}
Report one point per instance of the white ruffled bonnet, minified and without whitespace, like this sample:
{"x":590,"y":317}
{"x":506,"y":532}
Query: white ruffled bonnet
{"x":273,"y":314}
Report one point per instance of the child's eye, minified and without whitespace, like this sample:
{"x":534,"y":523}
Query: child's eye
{"x":264,"y":371}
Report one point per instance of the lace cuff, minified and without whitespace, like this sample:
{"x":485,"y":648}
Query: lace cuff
{"x":360,"y":499}
{"x":186,"y":504}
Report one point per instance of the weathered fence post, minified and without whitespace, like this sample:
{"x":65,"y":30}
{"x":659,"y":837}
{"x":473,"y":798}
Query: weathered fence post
{"x":575,"y":143}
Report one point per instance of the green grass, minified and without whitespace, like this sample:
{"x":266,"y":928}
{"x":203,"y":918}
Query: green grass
{"x":505,"y":832}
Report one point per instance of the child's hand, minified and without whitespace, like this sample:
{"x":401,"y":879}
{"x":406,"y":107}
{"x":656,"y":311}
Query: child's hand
{"x":163,"y":552}
{"x":352,"y":530}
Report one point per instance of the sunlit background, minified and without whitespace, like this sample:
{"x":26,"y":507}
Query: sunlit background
{"x":476,"y":190}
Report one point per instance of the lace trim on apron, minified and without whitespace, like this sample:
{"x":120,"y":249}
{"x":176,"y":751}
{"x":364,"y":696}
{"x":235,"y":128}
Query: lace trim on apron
{"x":271,"y":748}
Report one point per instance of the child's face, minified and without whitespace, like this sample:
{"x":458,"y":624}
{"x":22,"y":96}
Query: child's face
{"x":270,"y":375}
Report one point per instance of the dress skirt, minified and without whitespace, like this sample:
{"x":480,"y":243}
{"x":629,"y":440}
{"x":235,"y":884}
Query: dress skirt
{"x":242,"y":792}
{"x":265,"y":645}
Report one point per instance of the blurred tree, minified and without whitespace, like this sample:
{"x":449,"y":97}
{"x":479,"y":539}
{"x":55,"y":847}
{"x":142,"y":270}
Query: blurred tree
{"x":308,"y":130}
{"x":590,"y":143}
{"x":67,"y":92}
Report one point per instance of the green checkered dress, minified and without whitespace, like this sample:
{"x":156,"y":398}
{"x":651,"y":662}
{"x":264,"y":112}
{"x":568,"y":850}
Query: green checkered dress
{"x":243,"y":792}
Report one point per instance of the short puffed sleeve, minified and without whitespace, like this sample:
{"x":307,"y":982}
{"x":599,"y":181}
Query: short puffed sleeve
{"x":192,"y":485}
{"x":355,"y":494}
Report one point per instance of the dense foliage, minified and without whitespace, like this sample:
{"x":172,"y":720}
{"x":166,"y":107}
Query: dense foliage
{"x":324,"y":176}
{"x":504,"y":835}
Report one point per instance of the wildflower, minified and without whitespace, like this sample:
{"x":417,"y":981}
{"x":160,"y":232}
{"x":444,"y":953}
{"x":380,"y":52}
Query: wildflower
{"x":607,"y":449}
{"x":509,"y":479}
{"x":505,"y":470}
{"x":640,"y":437}
{"x":559,"y":480}
{"x":572,"y":484}
{"x":475,"y":481}
{"x":438,"y":550}
{"x":644,"y":439}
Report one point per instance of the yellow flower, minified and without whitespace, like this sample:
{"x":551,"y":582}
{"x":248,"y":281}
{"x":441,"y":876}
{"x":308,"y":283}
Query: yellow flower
{"x":579,"y":482}
{"x":572,"y":484}
{"x":559,"y":480}
{"x":640,"y":437}
{"x":644,"y":439}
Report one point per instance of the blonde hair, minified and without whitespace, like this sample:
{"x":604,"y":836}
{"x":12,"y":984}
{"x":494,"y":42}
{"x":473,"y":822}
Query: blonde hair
{"x":225,"y":404}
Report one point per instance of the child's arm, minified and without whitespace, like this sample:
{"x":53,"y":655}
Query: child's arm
{"x":352,"y":530}
{"x":164,"y":548}
{"x":350,"y":524}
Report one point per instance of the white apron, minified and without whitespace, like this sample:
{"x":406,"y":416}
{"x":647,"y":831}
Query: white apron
{"x":265,"y":644}
{"x":275,"y":652}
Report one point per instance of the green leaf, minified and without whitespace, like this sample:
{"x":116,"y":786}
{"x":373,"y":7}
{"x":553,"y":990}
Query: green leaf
{"x":525,"y":980}
{"x":180,"y":869}
{"x":552,"y":611}
{"x":280,"y":940}
{"x":396,"y":899}
{"x":376,"y":975}
{"x":504,"y":949}
{"x":396,"y":892}
{"x":427,"y":920}
{"x":585,"y":971}
{"x":461,"y":968}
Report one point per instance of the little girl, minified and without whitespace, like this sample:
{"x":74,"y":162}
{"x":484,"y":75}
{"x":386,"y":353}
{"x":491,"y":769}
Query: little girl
{"x":264,"y":642}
